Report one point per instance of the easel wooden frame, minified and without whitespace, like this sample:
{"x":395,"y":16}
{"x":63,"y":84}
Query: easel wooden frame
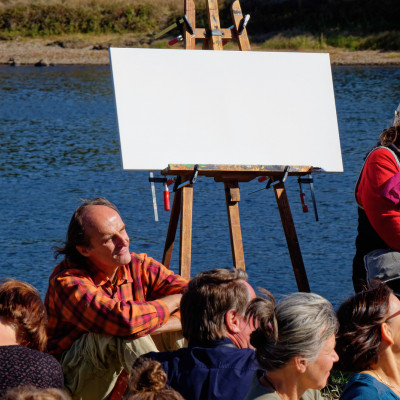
{"x":230,"y":175}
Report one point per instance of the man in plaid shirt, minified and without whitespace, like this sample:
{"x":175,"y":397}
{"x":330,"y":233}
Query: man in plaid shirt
{"x":103,"y":302}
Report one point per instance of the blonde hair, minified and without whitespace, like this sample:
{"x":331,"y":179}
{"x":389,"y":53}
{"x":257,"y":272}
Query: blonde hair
{"x":30,"y":392}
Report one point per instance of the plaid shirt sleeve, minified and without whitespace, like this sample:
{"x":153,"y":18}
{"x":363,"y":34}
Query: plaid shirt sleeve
{"x":158,"y":281}
{"x":85,"y":305}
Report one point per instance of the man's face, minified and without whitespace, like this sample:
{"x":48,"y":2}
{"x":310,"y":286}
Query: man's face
{"x":109,"y":242}
{"x":246,"y":326}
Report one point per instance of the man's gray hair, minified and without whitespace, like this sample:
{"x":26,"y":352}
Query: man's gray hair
{"x":298,"y":326}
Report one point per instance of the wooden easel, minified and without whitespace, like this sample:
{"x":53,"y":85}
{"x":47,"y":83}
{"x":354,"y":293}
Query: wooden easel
{"x":230,"y":175}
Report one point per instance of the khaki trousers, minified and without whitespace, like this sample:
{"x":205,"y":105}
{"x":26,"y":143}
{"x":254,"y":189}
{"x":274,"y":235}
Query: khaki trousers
{"x":92,"y":364}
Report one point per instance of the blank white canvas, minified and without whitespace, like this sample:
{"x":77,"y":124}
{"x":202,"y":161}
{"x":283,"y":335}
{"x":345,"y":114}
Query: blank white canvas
{"x":225,"y":107}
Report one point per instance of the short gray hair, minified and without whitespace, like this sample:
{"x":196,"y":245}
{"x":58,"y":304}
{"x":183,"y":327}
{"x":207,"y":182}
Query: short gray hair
{"x":297,"y":326}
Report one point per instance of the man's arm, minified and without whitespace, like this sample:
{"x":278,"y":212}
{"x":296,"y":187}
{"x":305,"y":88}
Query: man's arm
{"x":158,"y":281}
{"x":172,"y":325}
{"x":80,"y":302}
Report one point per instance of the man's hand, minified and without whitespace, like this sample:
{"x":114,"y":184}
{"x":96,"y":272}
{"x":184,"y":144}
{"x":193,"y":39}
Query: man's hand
{"x":172,"y":302}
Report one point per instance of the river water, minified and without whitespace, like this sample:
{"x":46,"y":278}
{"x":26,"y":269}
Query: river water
{"x":59,"y":143}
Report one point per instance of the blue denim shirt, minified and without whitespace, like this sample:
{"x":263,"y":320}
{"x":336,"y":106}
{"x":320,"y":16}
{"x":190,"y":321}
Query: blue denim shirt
{"x":207,"y":371}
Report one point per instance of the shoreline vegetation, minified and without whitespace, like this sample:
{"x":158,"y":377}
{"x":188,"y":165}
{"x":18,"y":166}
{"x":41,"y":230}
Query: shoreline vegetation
{"x":60,"y":32}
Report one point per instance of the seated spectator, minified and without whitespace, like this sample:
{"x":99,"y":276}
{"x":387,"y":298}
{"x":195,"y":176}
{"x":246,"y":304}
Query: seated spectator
{"x":105,"y":303}
{"x":148,"y":381}
{"x":23,"y":339}
{"x":294,"y":344}
{"x":218,"y":363}
{"x":33,"y":393}
{"x":368,"y":343}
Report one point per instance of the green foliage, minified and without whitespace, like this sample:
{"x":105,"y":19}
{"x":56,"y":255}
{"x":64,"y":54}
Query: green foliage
{"x":57,"y":19}
{"x":381,"y":41}
{"x":336,"y":383}
{"x":286,"y":24}
{"x":287,"y":41}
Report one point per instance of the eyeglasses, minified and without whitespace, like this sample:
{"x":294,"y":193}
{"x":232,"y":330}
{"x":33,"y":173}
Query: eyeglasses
{"x":393,"y":315}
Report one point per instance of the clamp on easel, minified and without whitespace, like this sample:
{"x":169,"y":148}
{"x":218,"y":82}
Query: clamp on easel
{"x":310,"y":181}
{"x":181,"y":24}
{"x":164,"y":181}
{"x":272,"y":181}
{"x":178,"y":185}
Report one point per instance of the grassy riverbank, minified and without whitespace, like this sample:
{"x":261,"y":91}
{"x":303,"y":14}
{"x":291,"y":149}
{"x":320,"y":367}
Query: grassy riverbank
{"x":279,"y":24}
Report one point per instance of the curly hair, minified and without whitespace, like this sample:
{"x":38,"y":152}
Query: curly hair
{"x":148,"y":381}
{"x":390,"y":136}
{"x":22,"y":308}
{"x":76,"y":235}
{"x":360,"y":318}
{"x":297,"y":326}
{"x":207,"y":299}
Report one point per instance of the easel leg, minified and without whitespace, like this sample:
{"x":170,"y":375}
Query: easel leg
{"x":243,"y":40}
{"x":190,"y":12}
{"x":173,"y":224}
{"x":291,"y":237}
{"x":232,"y":194}
{"x":185,"y":250}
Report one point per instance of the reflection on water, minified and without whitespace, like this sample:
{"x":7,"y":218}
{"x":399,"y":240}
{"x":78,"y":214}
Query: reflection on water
{"x":59,"y":143}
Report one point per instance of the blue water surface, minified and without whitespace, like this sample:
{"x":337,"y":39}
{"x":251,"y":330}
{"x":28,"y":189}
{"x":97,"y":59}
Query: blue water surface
{"x":59,"y":143}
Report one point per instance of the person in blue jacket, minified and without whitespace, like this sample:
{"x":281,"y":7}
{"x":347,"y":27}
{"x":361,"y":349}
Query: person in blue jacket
{"x":218,"y":363}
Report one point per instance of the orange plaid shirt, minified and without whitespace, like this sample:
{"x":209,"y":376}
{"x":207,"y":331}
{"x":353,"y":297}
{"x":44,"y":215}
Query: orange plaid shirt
{"x":81,"y":300}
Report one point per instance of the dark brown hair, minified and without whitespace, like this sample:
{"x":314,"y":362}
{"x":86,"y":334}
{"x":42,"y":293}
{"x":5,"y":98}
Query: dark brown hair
{"x":208,"y":297}
{"x":390,"y":136}
{"x":360,"y":319}
{"x":76,"y":235}
{"x":148,"y":381}
{"x":22,"y":308}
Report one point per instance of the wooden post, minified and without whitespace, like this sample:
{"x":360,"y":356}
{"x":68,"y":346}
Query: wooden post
{"x":232,"y":194}
{"x":215,"y":39}
{"x":185,"y":249}
{"x":237,"y":16}
{"x":190,"y":12}
{"x":173,"y":225}
{"x":291,"y":237}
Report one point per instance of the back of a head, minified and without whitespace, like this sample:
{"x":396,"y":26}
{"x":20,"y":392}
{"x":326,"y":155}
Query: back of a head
{"x":207,"y":299}
{"x":148,"y":382}
{"x":391,"y":135}
{"x":21,"y":306}
{"x":299,"y":325}
{"x":32,"y":393}
{"x":360,"y":318}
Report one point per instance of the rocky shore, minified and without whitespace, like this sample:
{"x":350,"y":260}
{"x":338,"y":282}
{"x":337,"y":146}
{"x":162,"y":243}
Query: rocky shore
{"x":44,"y":52}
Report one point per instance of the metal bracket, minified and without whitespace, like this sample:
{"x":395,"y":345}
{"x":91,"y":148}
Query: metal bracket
{"x":192,"y":180}
{"x":310,"y":181}
{"x":216,"y":32}
{"x":243,"y":23}
{"x":179,"y":23}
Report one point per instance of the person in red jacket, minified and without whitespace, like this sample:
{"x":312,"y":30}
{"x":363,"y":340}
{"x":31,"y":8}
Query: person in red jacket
{"x":377,"y":194}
